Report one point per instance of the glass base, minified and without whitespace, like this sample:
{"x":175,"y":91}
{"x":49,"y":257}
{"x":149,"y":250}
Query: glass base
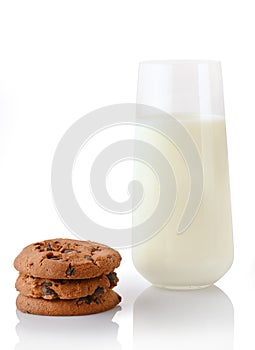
{"x":183,"y":288}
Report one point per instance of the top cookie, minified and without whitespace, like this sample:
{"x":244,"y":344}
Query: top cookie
{"x":67,"y":259}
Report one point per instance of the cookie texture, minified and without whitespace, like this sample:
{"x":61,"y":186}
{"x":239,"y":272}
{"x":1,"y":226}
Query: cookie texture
{"x":67,"y":259}
{"x":49,"y":289}
{"x":66,"y":277}
{"x":87,"y":305}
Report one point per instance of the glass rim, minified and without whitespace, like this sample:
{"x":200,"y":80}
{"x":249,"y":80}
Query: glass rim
{"x":181,"y":61}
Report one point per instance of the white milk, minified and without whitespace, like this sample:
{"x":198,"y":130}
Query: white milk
{"x":204,"y":252}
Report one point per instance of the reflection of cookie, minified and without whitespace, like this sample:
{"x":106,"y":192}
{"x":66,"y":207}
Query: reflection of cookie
{"x":62,"y":289}
{"x":71,"y":332}
{"x":67,"y":259}
{"x":86,"y":305}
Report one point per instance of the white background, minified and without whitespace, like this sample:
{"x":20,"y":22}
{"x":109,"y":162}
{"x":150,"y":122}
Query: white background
{"x":62,"y":59}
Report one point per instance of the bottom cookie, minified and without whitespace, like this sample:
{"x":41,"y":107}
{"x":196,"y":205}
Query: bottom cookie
{"x":74,"y":307}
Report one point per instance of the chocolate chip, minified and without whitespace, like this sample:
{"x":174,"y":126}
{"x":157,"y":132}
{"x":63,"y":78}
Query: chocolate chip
{"x":111,"y":276}
{"x":95,"y":249}
{"x":68,"y":251}
{"x":99,"y":291}
{"x":97,"y":301}
{"x":70,"y":271}
{"x":60,"y":281}
{"x":39,"y":246}
{"x":48,"y":291}
{"x":48,"y":246}
{"x":47,"y":284}
{"x":113,"y":279}
{"x":51,"y":256}
{"x":87,"y":257}
{"x":86,"y":300}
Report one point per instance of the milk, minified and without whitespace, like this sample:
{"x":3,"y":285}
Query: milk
{"x":204,"y":252}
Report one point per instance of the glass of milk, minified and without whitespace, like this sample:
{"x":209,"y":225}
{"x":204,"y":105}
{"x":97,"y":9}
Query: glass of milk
{"x":201,"y":252}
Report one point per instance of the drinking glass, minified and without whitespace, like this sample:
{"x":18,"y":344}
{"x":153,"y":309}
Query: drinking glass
{"x":197,"y":252}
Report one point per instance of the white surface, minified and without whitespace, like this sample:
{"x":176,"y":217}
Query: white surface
{"x":60,"y":60}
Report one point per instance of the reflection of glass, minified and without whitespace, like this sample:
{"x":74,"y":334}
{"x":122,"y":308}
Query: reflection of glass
{"x":191,"y":92}
{"x":79,"y":332}
{"x":200,"y":320}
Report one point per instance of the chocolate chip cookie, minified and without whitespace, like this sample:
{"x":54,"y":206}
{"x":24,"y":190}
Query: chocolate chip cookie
{"x":66,"y":277}
{"x":67,"y":259}
{"x":87,"y":305}
{"x":35,"y":287}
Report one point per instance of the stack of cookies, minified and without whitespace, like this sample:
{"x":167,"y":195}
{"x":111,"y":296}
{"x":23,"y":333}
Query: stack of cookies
{"x":66,"y":277}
